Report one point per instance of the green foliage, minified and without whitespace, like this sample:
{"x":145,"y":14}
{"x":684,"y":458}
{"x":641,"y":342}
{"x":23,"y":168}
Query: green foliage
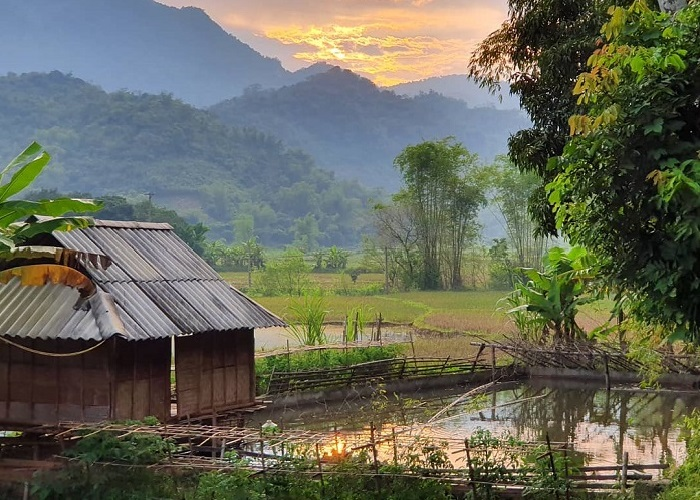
{"x":443,"y":193}
{"x":685,"y":482}
{"x":337,"y":258}
{"x":285,"y":275}
{"x":123,"y":143}
{"x":134,"y":449}
{"x":306,"y":318}
{"x":121,"y":208}
{"x":88,"y":478}
{"x":501,"y":270}
{"x":539,"y":50}
{"x":511,"y":191}
{"x":543,"y":484}
{"x":357,"y":318}
{"x":554,"y":296}
{"x":14,"y":227}
{"x":628,"y":183}
{"x":229,"y":485}
{"x":328,"y":358}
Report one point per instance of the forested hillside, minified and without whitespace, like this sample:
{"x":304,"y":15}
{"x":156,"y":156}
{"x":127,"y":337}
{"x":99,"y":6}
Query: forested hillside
{"x":356,"y":130}
{"x":124,"y":143}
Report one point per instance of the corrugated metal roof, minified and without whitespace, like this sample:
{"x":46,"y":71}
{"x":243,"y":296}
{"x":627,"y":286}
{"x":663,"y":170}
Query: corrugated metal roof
{"x":56,"y":311}
{"x":161,"y":288}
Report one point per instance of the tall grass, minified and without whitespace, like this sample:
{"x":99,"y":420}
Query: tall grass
{"x":356,"y":320}
{"x":307,"y":317}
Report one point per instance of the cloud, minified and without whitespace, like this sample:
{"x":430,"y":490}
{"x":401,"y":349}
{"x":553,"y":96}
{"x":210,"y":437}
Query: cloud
{"x":389,"y":41}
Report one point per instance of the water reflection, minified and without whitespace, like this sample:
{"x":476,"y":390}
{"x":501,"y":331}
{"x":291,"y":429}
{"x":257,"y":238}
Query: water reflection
{"x":599,"y":425}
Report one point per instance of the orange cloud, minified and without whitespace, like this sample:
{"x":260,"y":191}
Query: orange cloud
{"x":386,"y":59}
{"x":389,"y":41}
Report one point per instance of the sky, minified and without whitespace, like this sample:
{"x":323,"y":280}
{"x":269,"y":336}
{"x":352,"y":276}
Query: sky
{"x":387,"y":41}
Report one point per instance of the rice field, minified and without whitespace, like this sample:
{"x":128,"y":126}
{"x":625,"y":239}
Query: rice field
{"x":474,"y":312}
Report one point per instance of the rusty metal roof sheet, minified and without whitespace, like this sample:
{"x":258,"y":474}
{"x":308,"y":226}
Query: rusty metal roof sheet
{"x":56,"y":311}
{"x":161,"y":288}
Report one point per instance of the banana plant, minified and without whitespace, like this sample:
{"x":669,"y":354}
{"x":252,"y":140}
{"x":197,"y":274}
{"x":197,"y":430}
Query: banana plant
{"x":553,"y":297}
{"x":21,"y":220}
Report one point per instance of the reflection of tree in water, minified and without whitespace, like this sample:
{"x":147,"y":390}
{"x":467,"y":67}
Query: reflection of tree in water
{"x":650,"y":415}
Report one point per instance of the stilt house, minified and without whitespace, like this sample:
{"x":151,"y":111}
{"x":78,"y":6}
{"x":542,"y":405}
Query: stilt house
{"x":90,"y":331}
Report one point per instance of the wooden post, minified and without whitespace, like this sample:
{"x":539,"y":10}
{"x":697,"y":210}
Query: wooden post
{"x":607,"y":372}
{"x":493,"y":363}
{"x":471,"y":469}
{"x":478,"y":354}
{"x":551,"y":464}
{"x":289,"y":360}
{"x":386,"y":270}
{"x":374,"y":456}
{"x":413,"y":350}
{"x":566,"y":472}
{"x":396,"y":451}
{"x":320,"y":471}
{"x":379,"y":328}
{"x":625,"y":465}
{"x":262,"y":450}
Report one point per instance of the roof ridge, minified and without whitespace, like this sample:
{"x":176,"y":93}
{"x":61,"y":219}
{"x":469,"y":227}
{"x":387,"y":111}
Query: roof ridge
{"x":131,"y":224}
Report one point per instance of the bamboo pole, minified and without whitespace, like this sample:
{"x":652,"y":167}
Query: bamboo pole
{"x":320,"y":471}
{"x":551,"y":464}
{"x":471,"y":469}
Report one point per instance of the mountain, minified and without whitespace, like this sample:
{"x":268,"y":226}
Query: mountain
{"x":131,"y":144}
{"x":459,"y":87}
{"x":355,"y":129}
{"x":139,"y":45}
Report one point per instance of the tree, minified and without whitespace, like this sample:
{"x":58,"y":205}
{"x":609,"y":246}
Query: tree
{"x":285,"y":275}
{"x":397,"y":242}
{"x":540,"y":50}
{"x":628,"y":183}
{"x":306,"y":233}
{"x":20,"y":220}
{"x":511,"y":191}
{"x":337,"y":258}
{"x":443,"y":194}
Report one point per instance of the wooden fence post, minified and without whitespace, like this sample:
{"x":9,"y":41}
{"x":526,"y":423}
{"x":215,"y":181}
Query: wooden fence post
{"x":374,"y":456}
{"x":551,"y":464}
{"x":625,"y":465}
{"x":289,"y":359}
{"x":471,"y":469}
{"x":493,"y":363}
{"x":320,"y":471}
{"x":478,"y":354}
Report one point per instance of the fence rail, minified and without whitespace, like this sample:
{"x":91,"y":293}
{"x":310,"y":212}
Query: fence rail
{"x":372,"y":372}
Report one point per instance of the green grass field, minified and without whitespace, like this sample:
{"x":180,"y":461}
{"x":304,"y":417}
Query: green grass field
{"x":440,"y":312}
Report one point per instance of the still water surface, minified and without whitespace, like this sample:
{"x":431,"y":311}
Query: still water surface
{"x":599,"y":425}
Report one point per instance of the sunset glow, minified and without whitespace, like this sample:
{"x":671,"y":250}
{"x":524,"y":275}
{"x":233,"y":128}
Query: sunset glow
{"x":388,"y":41}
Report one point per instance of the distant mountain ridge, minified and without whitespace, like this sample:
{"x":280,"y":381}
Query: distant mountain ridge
{"x":139,"y":45}
{"x":145,"y":46}
{"x":355,"y":129}
{"x":459,"y":87}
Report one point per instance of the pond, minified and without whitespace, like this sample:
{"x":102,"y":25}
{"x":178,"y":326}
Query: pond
{"x":597,"y":425}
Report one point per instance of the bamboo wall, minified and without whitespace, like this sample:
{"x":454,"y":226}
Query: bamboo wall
{"x":39,"y":389}
{"x":214,"y":372}
{"x":142,"y":379}
{"x":116,"y":381}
